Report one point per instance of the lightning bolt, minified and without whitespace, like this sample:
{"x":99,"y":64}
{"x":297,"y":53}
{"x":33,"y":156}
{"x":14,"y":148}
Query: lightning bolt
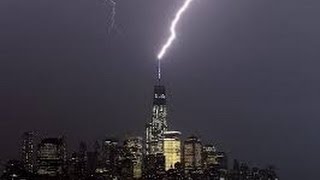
{"x":112,"y":16}
{"x":173,"y":31}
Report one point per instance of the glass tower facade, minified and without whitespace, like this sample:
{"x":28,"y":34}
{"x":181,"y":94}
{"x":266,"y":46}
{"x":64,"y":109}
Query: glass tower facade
{"x":158,"y":125}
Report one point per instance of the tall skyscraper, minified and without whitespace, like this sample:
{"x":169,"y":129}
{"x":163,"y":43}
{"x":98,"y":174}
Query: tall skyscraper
{"x":192,"y":153}
{"x":28,"y":153}
{"x":158,"y":125}
{"x":52,"y":157}
{"x":209,"y":156}
{"x":108,"y":157}
{"x":133,"y":148}
{"x":213,"y":158}
{"x":172,"y":148}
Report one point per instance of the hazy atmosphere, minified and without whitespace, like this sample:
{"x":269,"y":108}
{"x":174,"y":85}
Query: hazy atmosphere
{"x":243,"y":74}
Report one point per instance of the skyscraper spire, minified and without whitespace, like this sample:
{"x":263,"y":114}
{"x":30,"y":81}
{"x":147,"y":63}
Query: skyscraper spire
{"x":159,"y":71}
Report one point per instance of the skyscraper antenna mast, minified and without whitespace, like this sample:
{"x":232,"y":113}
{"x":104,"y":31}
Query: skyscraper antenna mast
{"x":159,"y":70}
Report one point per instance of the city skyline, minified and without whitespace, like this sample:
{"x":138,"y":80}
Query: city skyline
{"x":110,"y":158}
{"x":162,"y":154}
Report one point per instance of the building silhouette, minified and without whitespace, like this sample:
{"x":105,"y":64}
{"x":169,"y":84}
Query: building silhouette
{"x":78,"y":163}
{"x":109,"y":158}
{"x":28,"y":151}
{"x":52,"y":157}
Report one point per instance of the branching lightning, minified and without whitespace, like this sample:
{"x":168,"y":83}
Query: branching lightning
{"x":173,"y":29}
{"x":112,"y":16}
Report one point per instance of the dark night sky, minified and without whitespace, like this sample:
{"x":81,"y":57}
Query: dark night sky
{"x":244,"y":74}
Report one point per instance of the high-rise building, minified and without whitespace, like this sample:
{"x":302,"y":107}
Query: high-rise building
{"x":109,"y":158}
{"x":213,"y":158}
{"x":78,"y":163}
{"x":172,"y":148}
{"x":214,"y":163}
{"x":154,"y":166}
{"x":209,"y":156}
{"x":158,"y":125}
{"x":28,"y":152}
{"x":192,"y":152}
{"x":52,"y":157}
{"x":133,"y":149}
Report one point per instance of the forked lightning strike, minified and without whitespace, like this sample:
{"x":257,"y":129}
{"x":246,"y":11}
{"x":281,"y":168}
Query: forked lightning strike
{"x":112,"y":20}
{"x":173,"y":30}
